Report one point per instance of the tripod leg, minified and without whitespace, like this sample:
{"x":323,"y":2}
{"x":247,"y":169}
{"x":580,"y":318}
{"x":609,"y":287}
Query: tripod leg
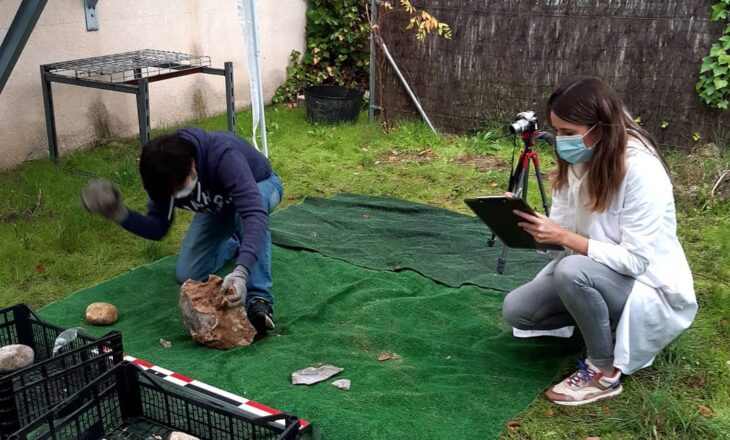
{"x":492,"y":239}
{"x":502,"y":260}
{"x":520,"y":188}
{"x":514,"y":180}
{"x":540,"y":185}
{"x":524,"y":183}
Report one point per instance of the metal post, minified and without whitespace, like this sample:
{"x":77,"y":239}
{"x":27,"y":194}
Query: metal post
{"x":18,"y":33}
{"x":50,"y":116}
{"x":257,"y":68}
{"x":373,"y":60}
{"x":403,"y":81}
{"x":230,"y":97}
{"x":143,"y":110}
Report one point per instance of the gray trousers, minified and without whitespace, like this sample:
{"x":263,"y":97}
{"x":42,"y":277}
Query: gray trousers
{"x":580,"y":292}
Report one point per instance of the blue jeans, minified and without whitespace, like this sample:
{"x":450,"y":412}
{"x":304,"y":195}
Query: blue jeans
{"x":210,"y":242}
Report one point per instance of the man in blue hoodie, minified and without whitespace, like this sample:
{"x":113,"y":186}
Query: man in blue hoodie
{"x":232,"y":190}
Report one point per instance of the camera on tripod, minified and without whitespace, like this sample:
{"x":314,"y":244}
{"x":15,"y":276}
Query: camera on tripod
{"x":524,"y":122}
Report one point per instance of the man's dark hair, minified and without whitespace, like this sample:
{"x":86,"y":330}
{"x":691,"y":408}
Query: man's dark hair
{"x":164,"y":164}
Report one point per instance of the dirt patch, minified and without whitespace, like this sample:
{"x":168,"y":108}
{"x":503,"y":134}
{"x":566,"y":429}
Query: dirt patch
{"x":395,"y":156}
{"x":697,"y":174}
{"x":25,"y":214}
{"x":483,"y":163}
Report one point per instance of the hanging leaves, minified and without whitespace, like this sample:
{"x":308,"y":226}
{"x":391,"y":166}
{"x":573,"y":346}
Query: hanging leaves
{"x":338,"y":38}
{"x":423,"y":22}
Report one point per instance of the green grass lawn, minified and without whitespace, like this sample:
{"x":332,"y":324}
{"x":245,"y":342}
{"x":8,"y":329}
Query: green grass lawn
{"x":51,"y":248}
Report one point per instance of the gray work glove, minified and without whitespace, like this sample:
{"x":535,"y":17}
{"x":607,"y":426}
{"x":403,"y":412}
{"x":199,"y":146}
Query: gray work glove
{"x":237,"y":280}
{"x":101,"y":197}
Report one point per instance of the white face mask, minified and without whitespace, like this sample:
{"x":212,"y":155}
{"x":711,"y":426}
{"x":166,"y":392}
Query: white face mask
{"x":188,"y":189}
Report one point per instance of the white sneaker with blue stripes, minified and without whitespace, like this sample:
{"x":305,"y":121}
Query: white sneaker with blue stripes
{"x":588,"y":384}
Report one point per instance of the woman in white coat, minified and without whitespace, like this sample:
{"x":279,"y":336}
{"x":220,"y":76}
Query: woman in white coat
{"x":623,"y":269}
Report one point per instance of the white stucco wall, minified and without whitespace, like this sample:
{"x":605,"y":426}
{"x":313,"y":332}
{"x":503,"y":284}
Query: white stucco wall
{"x":204,"y":27}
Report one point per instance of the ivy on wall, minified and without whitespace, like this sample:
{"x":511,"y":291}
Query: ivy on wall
{"x":337,"y":48}
{"x":714,"y":84}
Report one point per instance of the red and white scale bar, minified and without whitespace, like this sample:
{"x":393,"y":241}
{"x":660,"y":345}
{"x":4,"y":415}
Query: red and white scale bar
{"x":247,"y":405}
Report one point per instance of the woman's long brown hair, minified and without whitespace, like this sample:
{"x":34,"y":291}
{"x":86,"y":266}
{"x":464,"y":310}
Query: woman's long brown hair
{"x":590,"y":101}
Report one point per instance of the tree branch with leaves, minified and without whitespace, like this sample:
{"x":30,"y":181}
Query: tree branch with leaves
{"x":337,"y":44}
{"x":423,"y":22}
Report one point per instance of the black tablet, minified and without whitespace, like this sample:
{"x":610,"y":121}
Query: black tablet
{"x":496,"y":212}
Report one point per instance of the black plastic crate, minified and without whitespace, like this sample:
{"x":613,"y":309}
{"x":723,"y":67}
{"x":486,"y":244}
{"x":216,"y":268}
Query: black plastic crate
{"x":127,"y":403}
{"x":28,"y":393}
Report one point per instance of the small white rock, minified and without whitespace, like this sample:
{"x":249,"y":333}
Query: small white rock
{"x":181,"y":436}
{"x":14,"y":357}
{"x":343,"y":384}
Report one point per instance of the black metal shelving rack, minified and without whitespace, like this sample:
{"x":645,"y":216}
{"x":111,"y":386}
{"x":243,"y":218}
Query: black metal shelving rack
{"x":128,"y":72}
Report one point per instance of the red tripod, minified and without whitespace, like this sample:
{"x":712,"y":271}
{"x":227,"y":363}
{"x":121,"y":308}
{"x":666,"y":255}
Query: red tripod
{"x":519,"y":180}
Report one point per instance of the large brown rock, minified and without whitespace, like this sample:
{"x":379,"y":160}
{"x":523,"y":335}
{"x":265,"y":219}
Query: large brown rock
{"x":14,"y":357}
{"x":208,"y":320}
{"x":101,"y":313}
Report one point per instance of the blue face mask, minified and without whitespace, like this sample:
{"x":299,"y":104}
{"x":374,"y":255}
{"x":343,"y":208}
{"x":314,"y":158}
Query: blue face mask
{"x":572,"y":149}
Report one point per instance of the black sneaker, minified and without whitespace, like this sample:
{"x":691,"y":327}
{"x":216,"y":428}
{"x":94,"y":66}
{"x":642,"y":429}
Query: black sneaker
{"x":261,"y":315}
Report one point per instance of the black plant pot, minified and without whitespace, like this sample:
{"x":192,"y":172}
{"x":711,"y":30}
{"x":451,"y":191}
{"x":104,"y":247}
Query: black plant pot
{"x":332,"y":104}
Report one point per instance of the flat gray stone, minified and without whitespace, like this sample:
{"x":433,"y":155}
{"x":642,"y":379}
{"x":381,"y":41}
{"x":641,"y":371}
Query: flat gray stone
{"x":312,"y":375}
{"x":14,"y":357}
